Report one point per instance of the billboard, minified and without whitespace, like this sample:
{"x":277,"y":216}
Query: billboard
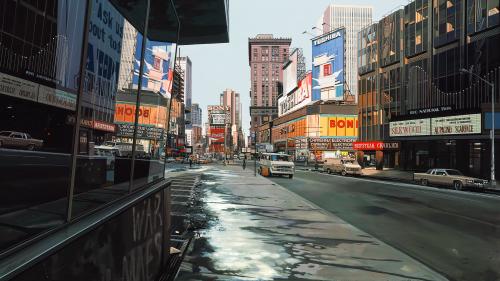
{"x":290,"y":73}
{"x":158,"y":64}
{"x":298,"y":99}
{"x":217,"y":135}
{"x":416,"y":127}
{"x":218,"y":119}
{"x":148,"y":115}
{"x":328,"y":72}
{"x":338,"y":125}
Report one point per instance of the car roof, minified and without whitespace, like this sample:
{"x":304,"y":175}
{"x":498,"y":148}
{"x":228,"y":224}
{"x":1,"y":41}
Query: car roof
{"x":279,"y":154}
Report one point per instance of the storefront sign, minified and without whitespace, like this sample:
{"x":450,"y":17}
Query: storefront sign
{"x":18,"y":88}
{"x":56,"y":97}
{"x":339,"y":125}
{"x":439,"y":109}
{"x":94,"y":124}
{"x":332,"y":143}
{"x":457,"y":125}
{"x":417,"y":127}
{"x":148,"y":115}
{"x":143,"y":132}
{"x":376,"y":145}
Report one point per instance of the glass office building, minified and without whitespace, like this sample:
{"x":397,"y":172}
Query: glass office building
{"x":84,"y":194}
{"x":419,"y":91}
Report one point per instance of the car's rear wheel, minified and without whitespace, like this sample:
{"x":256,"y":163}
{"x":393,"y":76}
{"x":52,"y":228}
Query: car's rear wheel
{"x":458,"y":185}
{"x":343,"y":173}
{"x":290,"y":176}
{"x":424,"y":182}
{"x":31,"y":147}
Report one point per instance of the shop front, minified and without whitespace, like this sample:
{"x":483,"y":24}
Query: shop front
{"x":455,"y":141}
{"x":315,"y":137}
{"x":378,"y":154}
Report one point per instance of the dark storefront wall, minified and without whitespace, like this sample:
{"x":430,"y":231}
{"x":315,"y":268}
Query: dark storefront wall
{"x":470,"y":156}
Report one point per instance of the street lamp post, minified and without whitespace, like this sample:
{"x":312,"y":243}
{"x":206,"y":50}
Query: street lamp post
{"x":492,"y":132}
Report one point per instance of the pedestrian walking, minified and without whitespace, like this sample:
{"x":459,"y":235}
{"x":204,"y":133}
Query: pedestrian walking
{"x":244,"y":162}
{"x":190,"y":162}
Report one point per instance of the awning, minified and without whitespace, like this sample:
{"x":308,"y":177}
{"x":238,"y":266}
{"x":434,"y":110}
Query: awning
{"x":202,"y":22}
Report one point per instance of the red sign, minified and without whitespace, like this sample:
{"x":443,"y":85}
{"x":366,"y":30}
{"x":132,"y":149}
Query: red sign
{"x":217,"y":135}
{"x":376,"y":145}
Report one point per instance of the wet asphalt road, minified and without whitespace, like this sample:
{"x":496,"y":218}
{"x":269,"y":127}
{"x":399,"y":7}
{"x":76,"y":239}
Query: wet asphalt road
{"x":454,"y":233}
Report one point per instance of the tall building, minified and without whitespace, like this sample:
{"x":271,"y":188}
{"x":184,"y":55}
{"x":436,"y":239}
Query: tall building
{"x":196,"y":122}
{"x":186,"y":66}
{"x":266,"y":56}
{"x":196,"y":115}
{"x":353,"y":18}
{"x":127,"y":56}
{"x":231,"y":99}
{"x":416,"y":110}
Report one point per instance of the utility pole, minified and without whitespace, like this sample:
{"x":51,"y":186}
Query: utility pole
{"x":492,"y":131}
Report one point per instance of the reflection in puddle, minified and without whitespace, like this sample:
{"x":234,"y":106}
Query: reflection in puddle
{"x":235,"y":249}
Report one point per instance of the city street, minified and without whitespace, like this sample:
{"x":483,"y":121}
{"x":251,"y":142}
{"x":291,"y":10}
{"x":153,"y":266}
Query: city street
{"x":454,"y":233}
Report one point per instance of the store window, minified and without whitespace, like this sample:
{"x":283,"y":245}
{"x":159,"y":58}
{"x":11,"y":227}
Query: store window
{"x":49,"y":146}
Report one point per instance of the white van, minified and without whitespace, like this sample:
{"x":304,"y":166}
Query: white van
{"x":276,"y":164}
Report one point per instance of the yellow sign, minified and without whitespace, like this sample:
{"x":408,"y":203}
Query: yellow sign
{"x":339,"y":125}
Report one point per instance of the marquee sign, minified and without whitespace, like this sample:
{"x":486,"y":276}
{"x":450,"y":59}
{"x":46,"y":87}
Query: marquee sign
{"x":438,"y":126}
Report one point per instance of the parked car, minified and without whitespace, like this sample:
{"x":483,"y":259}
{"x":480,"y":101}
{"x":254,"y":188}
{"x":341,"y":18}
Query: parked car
{"x":124,"y":149}
{"x":448,"y":177}
{"x":342,"y":166}
{"x":203,"y":161}
{"x":19,"y":140}
{"x":276,"y":164}
{"x":170,"y":160}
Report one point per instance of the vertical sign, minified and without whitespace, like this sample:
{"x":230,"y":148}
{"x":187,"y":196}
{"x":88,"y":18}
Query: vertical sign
{"x":328,"y":73}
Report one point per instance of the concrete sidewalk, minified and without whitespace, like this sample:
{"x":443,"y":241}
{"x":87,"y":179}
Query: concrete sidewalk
{"x":262,"y":231}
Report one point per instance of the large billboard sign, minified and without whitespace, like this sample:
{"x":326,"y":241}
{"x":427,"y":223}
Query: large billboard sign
{"x":338,"y":125}
{"x":328,"y":60}
{"x":217,"y":135}
{"x":298,"y":99}
{"x":438,"y":126}
{"x":158,"y":64}
{"x":148,"y":115}
{"x":290,"y":73}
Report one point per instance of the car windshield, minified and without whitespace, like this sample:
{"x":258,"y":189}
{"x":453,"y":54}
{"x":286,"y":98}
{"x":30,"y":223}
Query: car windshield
{"x":279,"y":158}
{"x":453,"y":172}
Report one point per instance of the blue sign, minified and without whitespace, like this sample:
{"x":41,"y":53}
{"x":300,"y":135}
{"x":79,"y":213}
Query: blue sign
{"x":104,"y":52}
{"x":158,"y":75}
{"x":487,"y":121}
{"x":328,"y":58}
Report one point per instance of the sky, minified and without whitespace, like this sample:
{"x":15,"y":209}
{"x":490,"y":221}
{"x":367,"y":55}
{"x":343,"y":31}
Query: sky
{"x":218,"y":67}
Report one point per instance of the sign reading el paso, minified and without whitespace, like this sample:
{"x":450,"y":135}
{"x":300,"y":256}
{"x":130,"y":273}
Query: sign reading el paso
{"x":438,"y":126}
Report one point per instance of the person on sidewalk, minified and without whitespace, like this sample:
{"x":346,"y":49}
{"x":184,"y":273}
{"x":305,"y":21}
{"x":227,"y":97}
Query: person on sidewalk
{"x":244,"y":162}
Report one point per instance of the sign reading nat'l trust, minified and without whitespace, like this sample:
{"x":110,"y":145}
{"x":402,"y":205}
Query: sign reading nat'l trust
{"x":449,"y":125}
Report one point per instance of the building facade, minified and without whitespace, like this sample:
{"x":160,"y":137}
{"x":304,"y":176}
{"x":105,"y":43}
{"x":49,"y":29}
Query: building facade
{"x":186,"y":66}
{"x":196,"y":121}
{"x":231,"y":99}
{"x":353,"y":18}
{"x":266,"y":56}
{"x":77,"y":195}
{"x":414,"y":96}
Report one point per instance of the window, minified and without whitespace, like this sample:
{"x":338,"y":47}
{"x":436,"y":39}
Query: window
{"x":327,"y":69}
{"x":46,"y":117}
